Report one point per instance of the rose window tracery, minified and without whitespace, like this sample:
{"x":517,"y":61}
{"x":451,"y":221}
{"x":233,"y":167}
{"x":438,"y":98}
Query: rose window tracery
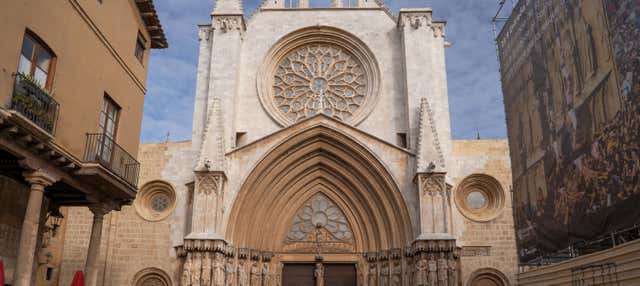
{"x":320,"y":220}
{"x":319,"y":78}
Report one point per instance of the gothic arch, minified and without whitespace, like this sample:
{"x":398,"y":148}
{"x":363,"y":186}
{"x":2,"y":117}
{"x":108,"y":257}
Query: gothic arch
{"x":151,"y":277}
{"x":322,"y":160}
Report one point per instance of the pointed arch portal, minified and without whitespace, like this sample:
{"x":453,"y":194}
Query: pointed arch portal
{"x":358,"y":206}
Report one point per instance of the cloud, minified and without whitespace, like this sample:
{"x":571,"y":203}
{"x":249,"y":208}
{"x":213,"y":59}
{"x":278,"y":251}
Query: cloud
{"x":475,"y":95}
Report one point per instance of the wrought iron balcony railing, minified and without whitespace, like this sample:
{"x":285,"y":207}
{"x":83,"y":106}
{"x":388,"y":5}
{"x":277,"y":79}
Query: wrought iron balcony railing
{"x":103,"y":150}
{"x":34,"y":102}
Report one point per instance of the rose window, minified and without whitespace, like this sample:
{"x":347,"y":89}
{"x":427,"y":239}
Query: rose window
{"x":319,"y":78}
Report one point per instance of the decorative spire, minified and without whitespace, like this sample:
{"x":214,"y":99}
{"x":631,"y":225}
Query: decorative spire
{"x":211,"y":157}
{"x":429,"y":158}
{"x":228,"y":7}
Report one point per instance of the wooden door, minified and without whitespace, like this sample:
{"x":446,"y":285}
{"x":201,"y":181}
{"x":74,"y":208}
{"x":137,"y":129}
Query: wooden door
{"x":334,"y":275}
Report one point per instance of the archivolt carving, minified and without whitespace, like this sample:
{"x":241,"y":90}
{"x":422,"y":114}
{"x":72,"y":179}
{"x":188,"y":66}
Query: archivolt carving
{"x":151,"y":277}
{"x":319,"y":70}
{"x":320,"y":160}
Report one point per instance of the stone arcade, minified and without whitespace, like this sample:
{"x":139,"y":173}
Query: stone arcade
{"x":321,"y":155}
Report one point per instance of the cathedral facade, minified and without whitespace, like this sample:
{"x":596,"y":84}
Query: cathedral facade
{"x":321,"y":155}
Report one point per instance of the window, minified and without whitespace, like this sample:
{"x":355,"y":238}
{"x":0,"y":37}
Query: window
{"x":36,"y":60}
{"x":141,"y":46}
{"x":108,"y":124}
{"x":402,"y":139}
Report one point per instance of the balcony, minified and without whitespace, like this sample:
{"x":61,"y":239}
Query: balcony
{"x":34,"y":103}
{"x":101,"y":149}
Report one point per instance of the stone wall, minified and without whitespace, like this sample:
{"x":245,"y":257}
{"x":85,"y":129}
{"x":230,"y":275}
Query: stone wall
{"x":485,"y":245}
{"x":130,"y":243}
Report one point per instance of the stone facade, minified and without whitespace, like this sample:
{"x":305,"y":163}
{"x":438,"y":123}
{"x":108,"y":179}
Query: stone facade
{"x":255,"y":190}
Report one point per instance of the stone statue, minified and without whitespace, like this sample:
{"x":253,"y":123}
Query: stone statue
{"x":442,"y":270}
{"x":453,"y":272}
{"x":266,"y":275}
{"x":432,"y":267}
{"x":242,"y":274}
{"x":319,"y":274}
{"x":196,"y":268}
{"x":230,"y":271}
{"x":384,"y":274}
{"x":278,"y":279}
{"x":206,"y":269}
{"x":186,"y":271}
{"x":218,"y":270}
{"x":421,"y":273}
{"x":372,"y":275}
{"x":396,"y":274}
{"x":256,"y":276}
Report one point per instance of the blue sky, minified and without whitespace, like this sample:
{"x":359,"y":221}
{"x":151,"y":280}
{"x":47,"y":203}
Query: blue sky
{"x":475,"y":95}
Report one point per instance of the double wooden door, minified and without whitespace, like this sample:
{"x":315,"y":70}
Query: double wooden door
{"x":334,"y":275}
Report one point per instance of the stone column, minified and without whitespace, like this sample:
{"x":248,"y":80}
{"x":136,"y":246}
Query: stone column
{"x":91,"y":265}
{"x":29,"y":233}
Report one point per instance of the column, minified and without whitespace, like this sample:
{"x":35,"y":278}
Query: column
{"x":29,"y":233}
{"x":90,"y":268}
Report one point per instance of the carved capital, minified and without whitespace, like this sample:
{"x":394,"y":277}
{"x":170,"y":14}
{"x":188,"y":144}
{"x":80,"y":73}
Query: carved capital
{"x":432,"y":183}
{"x":99,"y":210}
{"x":205,"y":245}
{"x":417,"y":19}
{"x":209,"y":182}
{"x":226,"y":23}
{"x":204,"y":33}
{"x":40,"y":179}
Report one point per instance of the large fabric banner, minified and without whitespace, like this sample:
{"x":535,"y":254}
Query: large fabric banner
{"x":570,"y":75}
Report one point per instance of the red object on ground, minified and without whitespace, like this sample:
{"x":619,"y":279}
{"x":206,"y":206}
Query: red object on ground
{"x":78,"y":279}
{"x":1,"y":272}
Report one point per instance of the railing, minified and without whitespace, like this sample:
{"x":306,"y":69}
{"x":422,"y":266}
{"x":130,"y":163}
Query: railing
{"x":103,"y":150}
{"x":34,"y":103}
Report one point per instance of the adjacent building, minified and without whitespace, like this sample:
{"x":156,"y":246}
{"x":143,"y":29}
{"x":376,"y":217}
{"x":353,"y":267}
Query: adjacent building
{"x":570,"y":76}
{"x":321,"y":155}
{"x":72,"y":86}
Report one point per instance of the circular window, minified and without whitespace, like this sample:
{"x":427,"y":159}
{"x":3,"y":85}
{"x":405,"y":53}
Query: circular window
{"x":476,"y":200}
{"x":319,"y":70}
{"x":155,"y":200}
{"x":480,"y":197}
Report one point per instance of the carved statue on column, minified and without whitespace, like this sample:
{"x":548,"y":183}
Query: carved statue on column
{"x":433,"y":270}
{"x":196,"y":269}
{"x":396,"y":274}
{"x":242,"y":274}
{"x":256,"y":276}
{"x":206,"y":269}
{"x":372,"y":274}
{"x":186,"y":271}
{"x":218,"y":270}
{"x":384,"y":274}
{"x":319,"y":274}
{"x":266,"y":275}
{"x":453,"y":272}
{"x":230,"y":272}
{"x":442,"y":269}
{"x":421,"y":272}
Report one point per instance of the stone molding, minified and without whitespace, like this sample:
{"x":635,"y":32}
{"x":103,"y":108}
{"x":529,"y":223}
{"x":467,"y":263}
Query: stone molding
{"x":143,"y":201}
{"x":429,"y":152}
{"x":40,"y":177}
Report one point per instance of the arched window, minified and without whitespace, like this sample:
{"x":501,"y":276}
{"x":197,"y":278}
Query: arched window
{"x":487,"y":277}
{"x":151,"y":277}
